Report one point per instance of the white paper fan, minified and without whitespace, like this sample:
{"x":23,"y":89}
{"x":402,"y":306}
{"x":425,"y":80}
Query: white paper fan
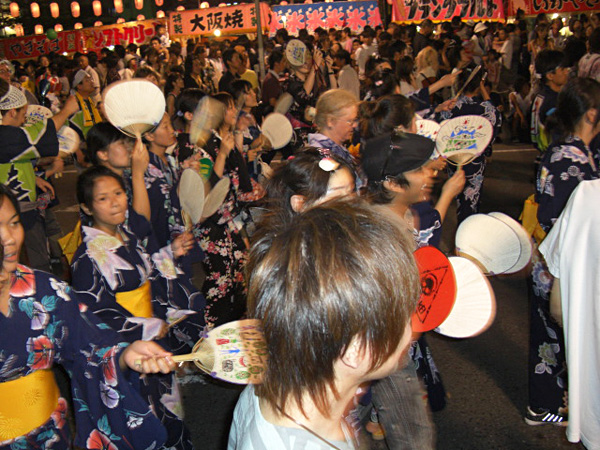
{"x":475,"y":306}
{"x":295,"y":52}
{"x":427,"y":128}
{"x":191,"y":194}
{"x":134,"y":106}
{"x":68,"y":140}
{"x":524,"y":238}
{"x":284,"y":103}
{"x":278,"y":129}
{"x":463,"y":138}
{"x":216,"y":197}
{"x":35,"y":114}
{"x":490,"y":241}
{"x":208,"y":115}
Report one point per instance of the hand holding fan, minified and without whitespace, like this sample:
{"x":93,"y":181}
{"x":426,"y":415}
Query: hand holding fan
{"x":462,"y":139}
{"x":134,"y":106}
{"x":235,"y":352}
{"x":438,"y":289}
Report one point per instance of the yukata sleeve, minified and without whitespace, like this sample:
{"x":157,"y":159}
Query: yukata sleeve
{"x":109,"y":411}
{"x":27,"y":143}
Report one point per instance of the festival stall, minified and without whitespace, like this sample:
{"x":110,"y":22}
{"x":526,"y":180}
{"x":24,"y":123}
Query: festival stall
{"x":82,"y":40}
{"x":534,"y":7}
{"x":237,"y":19}
{"x":355,"y":15}
{"x":404,"y":11}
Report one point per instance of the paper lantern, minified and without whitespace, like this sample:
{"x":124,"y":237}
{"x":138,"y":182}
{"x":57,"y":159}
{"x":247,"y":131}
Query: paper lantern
{"x":204,"y":5}
{"x":160,"y":14}
{"x":38,"y":29}
{"x":35,"y":11}
{"x":139,"y":4}
{"x":180,"y":8}
{"x":54,"y":9}
{"x":75,"y":9}
{"x":141,"y":17}
{"x":120,"y":20}
{"x":19,"y":30}
{"x":78,"y":26}
{"x":14,"y":9}
{"x":217,"y":32}
{"x":159,"y":2}
{"x":98,"y":23}
{"x":97,"y":7}
{"x":58,"y":27}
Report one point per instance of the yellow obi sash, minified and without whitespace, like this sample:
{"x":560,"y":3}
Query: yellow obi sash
{"x":138,"y":301}
{"x":27,"y":403}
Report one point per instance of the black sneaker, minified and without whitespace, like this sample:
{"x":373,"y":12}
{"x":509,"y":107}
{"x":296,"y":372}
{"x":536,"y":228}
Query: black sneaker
{"x":545,"y":417}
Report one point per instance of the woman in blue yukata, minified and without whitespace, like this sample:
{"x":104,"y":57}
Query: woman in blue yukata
{"x":126,"y":287}
{"x":475,"y":101}
{"x":566,"y":162}
{"x":37,"y":313}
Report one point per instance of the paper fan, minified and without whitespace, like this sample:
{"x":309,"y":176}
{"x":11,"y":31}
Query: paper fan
{"x":463,"y":138}
{"x":134,"y":106}
{"x":438,"y":289}
{"x":68,"y":140}
{"x":524,"y":239}
{"x":278,"y":130}
{"x":35,"y":114}
{"x":295,"y":52}
{"x":475,"y":306}
{"x":191,"y":194}
{"x":427,"y":128}
{"x":284,"y":103}
{"x":208,"y":115}
{"x":490,"y":241}
{"x":235,"y":352}
{"x":216,"y":197}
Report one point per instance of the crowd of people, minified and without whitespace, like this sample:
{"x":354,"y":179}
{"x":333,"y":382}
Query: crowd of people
{"x":315,"y":239}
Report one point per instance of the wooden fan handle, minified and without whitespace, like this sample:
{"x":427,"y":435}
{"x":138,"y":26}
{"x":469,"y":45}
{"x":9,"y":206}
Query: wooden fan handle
{"x":186,"y":357}
{"x":175,"y":322}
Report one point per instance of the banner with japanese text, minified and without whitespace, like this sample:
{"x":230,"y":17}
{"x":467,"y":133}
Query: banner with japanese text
{"x":230,"y":19}
{"x":534,"y":7}
{"x":326,"y":15}
{"x":140,"y":32}
{"x":28,"y":47}
{"x":445,"y":10}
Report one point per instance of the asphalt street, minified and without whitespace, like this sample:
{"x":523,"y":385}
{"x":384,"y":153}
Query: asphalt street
{"x":485,"y":376}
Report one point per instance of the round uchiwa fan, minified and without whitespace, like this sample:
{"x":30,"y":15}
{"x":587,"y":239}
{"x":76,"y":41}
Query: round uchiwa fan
{"x":278,"y":130}
{"x":68,"y":140}
{"x":475,"y":307}
{"x":427,"y":128}
{"x":438,"y":289}
{"x":295,"y":52}
{"x":463,"y":138}
{"x":35,"y":114}
{"x":191,"y":195}
{"x":490,"y":242}
{"x":284,"y":103}
{"x":208,"y":115}
{"x":134,"y":106}
{"x":215,"y":197}
{"x":524,"y":239}
{"x":235,"y":352}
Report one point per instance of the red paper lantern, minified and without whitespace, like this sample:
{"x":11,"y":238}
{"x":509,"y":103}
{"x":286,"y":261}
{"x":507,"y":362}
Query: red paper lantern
{"x":78,"y":26}
{"x":75,"y":9}
{"x":141,"y":17}
{"x":14,"y":9}
{"x":35,"y":12}
{"x":54,"y":9}
{"x":19,"y":30}
{"x":98,"y":23}
{"x":160,"y":14}
{"x":39,"y":29}
{"x":97,"y":7}
{"x":119,"y":6}
{"x":139,"y":4}
{"x":159,"y":2}
{"x":58,"y":27}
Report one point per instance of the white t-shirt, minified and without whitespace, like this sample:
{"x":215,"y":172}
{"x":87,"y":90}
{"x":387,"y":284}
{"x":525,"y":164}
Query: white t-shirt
{"x":250,"y":430}
{"x":572,"y":252}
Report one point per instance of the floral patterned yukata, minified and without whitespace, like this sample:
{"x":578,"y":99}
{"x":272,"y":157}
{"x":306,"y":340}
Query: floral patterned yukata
{"x":564,"y":165}
{"x":104,"y":266}
{"x":46,"y":325}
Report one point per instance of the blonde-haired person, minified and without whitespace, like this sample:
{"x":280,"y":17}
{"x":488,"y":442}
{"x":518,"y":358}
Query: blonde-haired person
{"x":336,"y":119}
{"x":351,"y":295}
{"x":427,"y":63}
